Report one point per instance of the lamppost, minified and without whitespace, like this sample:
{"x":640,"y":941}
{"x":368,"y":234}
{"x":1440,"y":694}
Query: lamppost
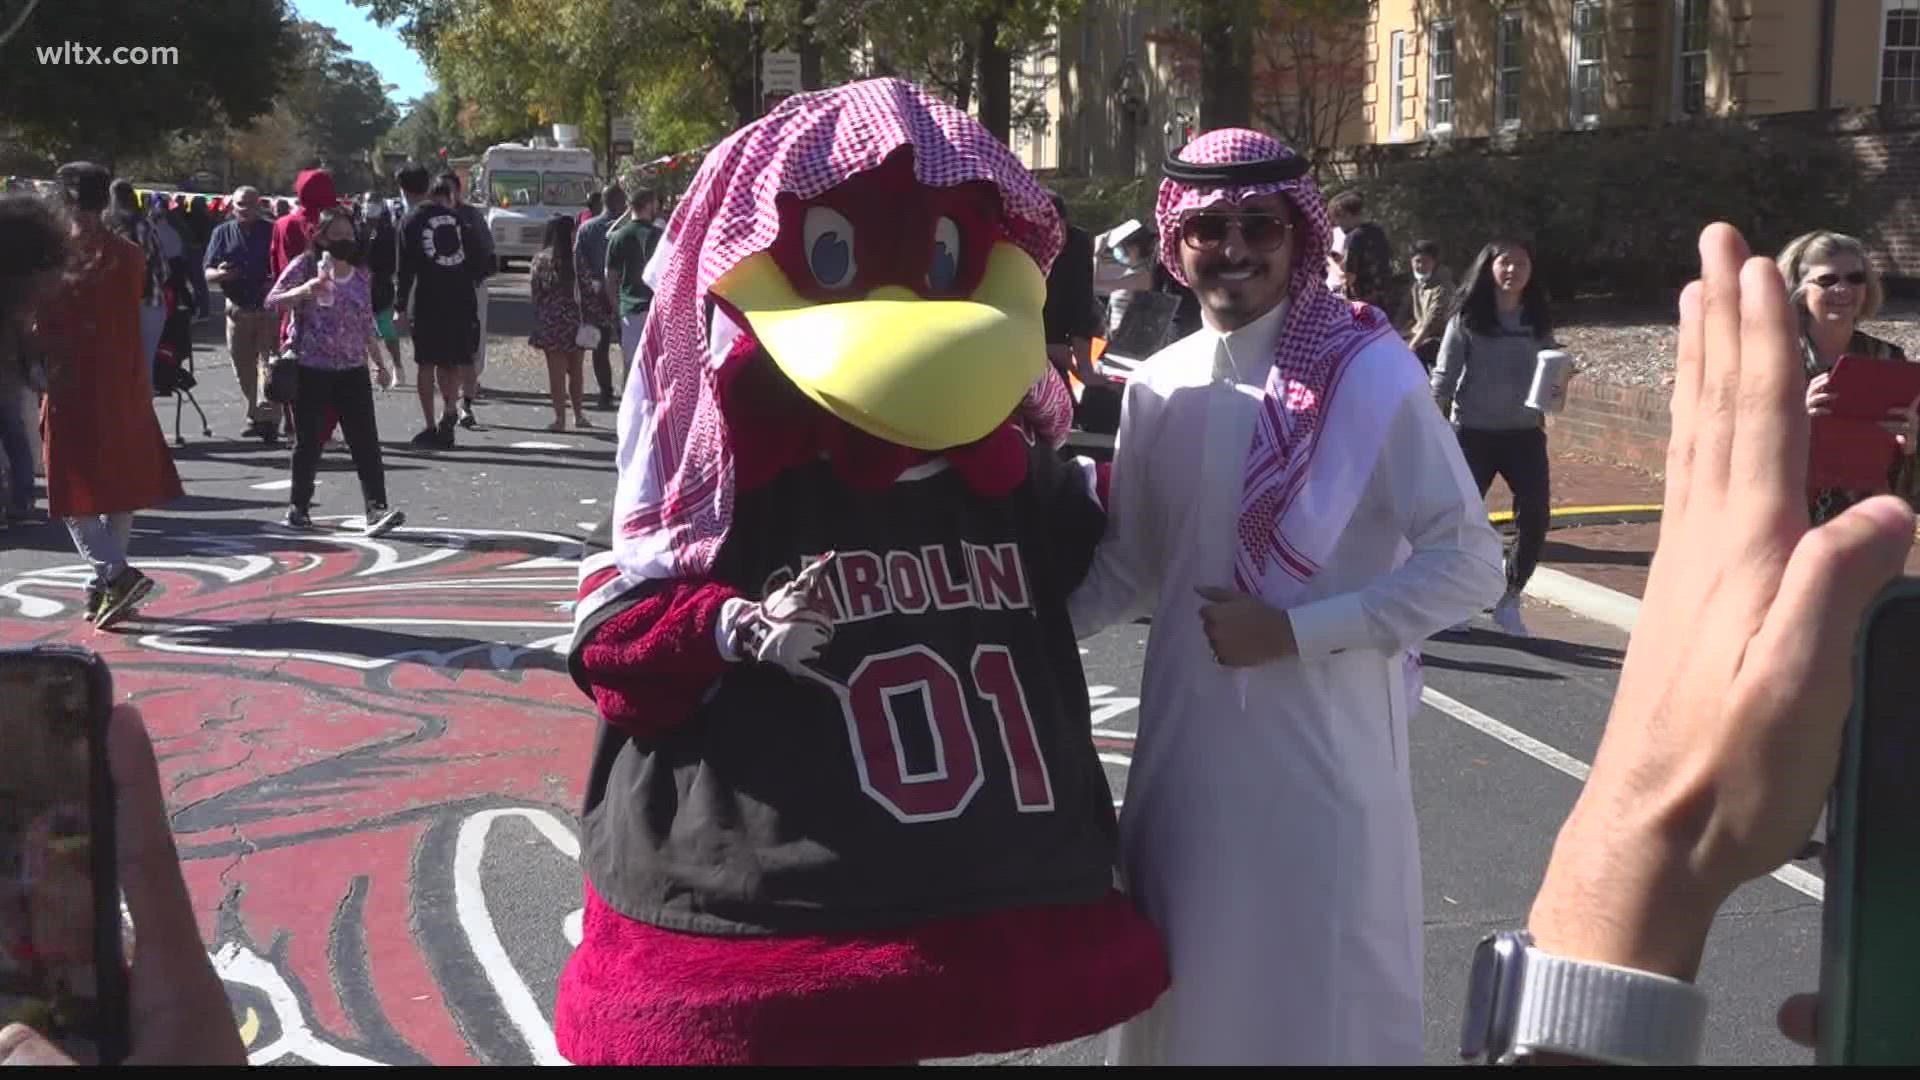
{"x":753,"y":24}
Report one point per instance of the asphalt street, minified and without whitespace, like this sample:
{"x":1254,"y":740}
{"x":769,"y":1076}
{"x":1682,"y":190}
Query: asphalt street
{"x":375,"y":758}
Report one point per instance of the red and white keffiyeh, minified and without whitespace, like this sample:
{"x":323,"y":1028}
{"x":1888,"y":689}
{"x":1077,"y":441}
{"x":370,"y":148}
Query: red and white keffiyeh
{"x":676,"y":488}
{"x":1321,"y":333}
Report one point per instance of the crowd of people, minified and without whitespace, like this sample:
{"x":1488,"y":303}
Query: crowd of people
{"x":1294,"y":546}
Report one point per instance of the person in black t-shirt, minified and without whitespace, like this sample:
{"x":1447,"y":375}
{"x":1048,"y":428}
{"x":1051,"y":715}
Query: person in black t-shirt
{"x":437,"y":277}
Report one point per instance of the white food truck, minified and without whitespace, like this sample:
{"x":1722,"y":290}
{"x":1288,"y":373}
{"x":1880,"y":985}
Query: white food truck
{"x":522,"y":187}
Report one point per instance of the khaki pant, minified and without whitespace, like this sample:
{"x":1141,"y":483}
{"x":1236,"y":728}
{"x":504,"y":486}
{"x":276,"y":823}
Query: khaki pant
{"x":250,"y":336}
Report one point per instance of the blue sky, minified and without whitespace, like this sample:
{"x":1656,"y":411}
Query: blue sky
{"x":379,"y":46}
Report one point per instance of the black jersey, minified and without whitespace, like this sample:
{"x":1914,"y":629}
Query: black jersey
{"x":936,"y":760}
{"x":439,"y":264}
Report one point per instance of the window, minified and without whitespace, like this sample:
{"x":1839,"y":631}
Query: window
{"x":1440,"y":78}
{"x":1511,"y":54}
{"x":1691,"y":73}
{"x":1397,"y":71}
{"x":1900,"y":54}
{"x":1589,"y":59}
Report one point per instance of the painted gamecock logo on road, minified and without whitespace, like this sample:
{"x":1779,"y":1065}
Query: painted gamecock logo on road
{"x":325,"y":708}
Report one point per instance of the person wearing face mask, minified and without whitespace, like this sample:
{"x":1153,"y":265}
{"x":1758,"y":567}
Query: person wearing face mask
{"x":1832,"y":286}
{"x":1296,"y":518}
{"x":1429,"y":302}
{"x":330,"y":296}
{"x":1482,"y":382}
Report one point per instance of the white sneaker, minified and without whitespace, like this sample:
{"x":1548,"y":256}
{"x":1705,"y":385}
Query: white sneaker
{"x":1506,"y":615}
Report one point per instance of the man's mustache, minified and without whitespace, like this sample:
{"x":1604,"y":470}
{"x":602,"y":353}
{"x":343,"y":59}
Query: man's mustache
{"x":1228,"y":268}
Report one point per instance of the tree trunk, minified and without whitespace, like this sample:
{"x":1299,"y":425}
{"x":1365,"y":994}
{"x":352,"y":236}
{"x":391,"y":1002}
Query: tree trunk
{"x":809,"y":46}
{"x":996,"y":81}
{"x":963,"y":77}
{"x":606,"y":110}
{"x":1226,"y":67}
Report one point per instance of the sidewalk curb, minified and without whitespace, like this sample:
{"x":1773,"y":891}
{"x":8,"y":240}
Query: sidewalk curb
{"x":1584,"y":598}
{"x":1574,"y":517}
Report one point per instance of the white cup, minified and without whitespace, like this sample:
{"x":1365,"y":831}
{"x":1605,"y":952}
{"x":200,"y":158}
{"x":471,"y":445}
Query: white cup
{"x":1551,"y":373}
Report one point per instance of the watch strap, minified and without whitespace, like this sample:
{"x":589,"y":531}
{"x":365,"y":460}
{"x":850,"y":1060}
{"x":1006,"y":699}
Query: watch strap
{"x":1604,"y":1013}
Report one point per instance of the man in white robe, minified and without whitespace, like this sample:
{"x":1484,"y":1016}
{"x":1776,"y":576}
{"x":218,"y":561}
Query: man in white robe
{"x":1296,"y":516}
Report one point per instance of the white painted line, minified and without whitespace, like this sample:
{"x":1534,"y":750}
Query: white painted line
{"x":531,"y":445}
{"x":587,"y":525}
{"x":588,"y":502}
{"x":1519,"y":740}
{"x":1583,"y":597}
{"x":470,"y":906}
{"x":1791,"y":876}
{"x":1117,"y":759}
{"x":281,"y":484}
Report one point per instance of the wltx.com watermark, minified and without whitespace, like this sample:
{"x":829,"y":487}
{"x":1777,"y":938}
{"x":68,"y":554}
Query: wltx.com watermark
{"x":73,"y":52}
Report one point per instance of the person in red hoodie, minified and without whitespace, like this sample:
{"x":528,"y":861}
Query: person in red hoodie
{"x":844,"y":805}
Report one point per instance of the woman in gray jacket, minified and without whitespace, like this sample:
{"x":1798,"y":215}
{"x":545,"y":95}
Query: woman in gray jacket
{"x":1481,"y":382}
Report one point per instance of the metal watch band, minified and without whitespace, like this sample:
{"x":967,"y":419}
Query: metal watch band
{"x":1605,"y":1013}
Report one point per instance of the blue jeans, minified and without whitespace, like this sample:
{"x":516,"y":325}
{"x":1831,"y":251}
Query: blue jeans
{"x":16,"y":446}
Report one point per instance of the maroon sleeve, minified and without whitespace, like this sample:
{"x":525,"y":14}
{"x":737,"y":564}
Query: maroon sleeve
{"x":648,"y":665}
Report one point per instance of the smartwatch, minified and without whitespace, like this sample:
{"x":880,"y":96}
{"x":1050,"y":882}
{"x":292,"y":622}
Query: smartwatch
{"x":1523,"y":1002}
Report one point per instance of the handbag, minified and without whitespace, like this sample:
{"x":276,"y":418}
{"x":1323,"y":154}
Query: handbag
{"x":586,"y":335}
{"x":283,"y":377}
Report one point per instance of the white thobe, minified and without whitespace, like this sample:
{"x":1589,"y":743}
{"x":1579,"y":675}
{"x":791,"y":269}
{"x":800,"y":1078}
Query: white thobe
{"x":1268,"y":827}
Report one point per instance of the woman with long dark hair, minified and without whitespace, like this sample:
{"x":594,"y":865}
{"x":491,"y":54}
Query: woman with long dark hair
{"x":1482,"y":382}
{"x":556,"y":309}
{"x":331,"y":294}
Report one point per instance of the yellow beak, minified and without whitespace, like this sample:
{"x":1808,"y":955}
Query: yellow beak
{"x":928,"y":374}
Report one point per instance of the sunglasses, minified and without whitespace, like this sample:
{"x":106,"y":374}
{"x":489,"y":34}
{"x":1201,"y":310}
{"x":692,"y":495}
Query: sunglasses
{"x":1261,"y":232}
{"x":1828,"y":281}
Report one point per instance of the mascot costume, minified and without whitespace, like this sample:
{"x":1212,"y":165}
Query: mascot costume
{"x":844,"y":806}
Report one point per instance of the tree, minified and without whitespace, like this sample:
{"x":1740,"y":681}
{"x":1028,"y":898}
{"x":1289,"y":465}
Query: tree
{"x":1302,"y":75}
{"x":340,"y":103}
{"x":959,"y":49}
{"x":231,"y":64}
{"x":1310,"y":71}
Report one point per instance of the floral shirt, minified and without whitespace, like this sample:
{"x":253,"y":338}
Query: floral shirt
{"x":329,"y":337}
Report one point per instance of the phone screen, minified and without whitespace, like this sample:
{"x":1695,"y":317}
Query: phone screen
{"x":1870,"y":991}
{"x":52,"y":858}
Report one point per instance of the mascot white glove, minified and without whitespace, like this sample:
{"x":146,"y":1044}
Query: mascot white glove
{"x":788,"y":628}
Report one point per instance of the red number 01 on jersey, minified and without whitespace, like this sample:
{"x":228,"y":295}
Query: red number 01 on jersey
{"x":945,"y":790}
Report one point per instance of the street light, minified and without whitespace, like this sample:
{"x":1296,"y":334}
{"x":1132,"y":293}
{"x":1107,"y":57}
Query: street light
{"x":753,"y":23}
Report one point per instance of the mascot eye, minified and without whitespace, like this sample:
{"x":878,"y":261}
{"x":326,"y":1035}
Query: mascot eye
{"x":944,"y":267}
{"x":829,"y":244}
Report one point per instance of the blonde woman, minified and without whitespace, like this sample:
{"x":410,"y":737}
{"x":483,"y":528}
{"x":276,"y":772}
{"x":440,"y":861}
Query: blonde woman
{"x":1833,"y":286}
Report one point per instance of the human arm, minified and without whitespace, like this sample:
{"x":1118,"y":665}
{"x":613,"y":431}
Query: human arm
{"x":410,"y":258}
{"x":1725,"y":732}
{"x":295,"y":285}
{"x":178,"y":1013}
{"x":618,"y":246}
{"x":219,"y":250}
{"x":1451,"y":365}
{"x":1125,"y":568}
{"x":1453,"y":570}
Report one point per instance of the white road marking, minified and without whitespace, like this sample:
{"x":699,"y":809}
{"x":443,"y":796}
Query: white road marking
{"x":588,"y":525}
{"x":281,"y":484}
{"x":1791,"y":876}
{"x":470,"y":906}
{"x":238,"y":964}
{"x":534,"y":445}
{"x":1582,"y":597}
{"x":1116,"y":759}
{"x":588,"y":502}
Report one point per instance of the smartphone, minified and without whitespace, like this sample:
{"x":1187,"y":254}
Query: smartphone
{"x":1870,"y":938}
{"x":62,"y":969}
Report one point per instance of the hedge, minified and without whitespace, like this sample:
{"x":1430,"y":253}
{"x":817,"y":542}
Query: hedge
{"x":1613,"y":211}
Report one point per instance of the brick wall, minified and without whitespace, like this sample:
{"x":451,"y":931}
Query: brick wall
{"x":1624,"y":425}
{"x":1889,"y":160}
